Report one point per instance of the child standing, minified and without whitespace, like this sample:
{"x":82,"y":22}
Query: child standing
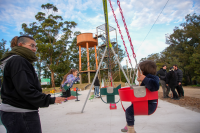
{"x":151,"y":82}
{"x":96,"y":87}
{"x":69,"y":79}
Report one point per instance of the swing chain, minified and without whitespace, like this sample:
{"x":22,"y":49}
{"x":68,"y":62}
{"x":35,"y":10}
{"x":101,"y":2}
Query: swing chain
{"x":121,"y":34}
{"x":123,"y":19}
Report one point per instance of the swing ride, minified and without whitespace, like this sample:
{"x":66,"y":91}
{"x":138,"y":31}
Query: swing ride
{"x":137,"y":95}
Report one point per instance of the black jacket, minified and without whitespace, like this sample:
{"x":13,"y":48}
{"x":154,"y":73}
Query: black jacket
{"x":21,"y":87}
{"x":171,"y":79}
{"x":179,"y":74}
{"x":96,"y":82}
{"x":162,"y":74}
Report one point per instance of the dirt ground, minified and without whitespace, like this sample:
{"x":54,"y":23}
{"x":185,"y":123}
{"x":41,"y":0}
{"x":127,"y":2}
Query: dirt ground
{"x":190,"y":101}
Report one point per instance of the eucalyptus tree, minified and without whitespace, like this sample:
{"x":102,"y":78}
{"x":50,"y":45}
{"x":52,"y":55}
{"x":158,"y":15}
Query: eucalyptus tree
{"x":52,"y":35}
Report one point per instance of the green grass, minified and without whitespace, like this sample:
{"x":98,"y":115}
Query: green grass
{"x":198,"y":85}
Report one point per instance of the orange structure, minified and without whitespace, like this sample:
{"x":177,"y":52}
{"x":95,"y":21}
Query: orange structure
{"x":87,"y":41}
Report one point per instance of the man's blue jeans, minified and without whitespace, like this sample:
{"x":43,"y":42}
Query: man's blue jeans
{"x":96,"y":91}
{"x":26,"y":122}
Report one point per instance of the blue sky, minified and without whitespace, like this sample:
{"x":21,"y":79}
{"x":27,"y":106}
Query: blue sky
{"x":139,"y":15}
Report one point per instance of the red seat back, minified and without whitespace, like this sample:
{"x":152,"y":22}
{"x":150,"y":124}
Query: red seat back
{"x":140,"y":105}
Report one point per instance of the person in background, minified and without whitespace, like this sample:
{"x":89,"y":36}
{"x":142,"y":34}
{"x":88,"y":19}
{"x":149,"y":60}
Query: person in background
{"x":162,"y":76}
{"x":21,"y":92}
{"x":96,"y":87}
{"x":179,"y":76}
{"x":69,"y":79}
{"x":171,"y":82}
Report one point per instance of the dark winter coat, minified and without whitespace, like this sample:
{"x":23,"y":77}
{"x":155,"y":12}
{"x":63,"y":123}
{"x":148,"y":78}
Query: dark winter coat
{"x":179,"y":74}
{"x":151,"y":82}
{"x":162,"y":74}
{"x":21,"y":87}
{"x":171,"y":79}
{"x":96,"y":82}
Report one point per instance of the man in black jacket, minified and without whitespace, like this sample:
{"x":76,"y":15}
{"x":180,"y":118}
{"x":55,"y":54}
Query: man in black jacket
{"x":179,"y":76}
{"x":21,"y":92}
{"x":162,"y":76}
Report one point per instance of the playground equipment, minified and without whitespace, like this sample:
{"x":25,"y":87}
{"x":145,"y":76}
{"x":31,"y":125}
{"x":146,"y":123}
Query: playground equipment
{"x":76,"y":89}
{"x":138,"y":95}
{"x":110,"y":93}
{"x":87,"y":41}
{"x":109,"y":48}
{"x":101,"y":33}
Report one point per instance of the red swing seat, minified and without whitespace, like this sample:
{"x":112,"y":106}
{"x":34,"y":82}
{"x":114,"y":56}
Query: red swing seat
{"x":140,"y":104}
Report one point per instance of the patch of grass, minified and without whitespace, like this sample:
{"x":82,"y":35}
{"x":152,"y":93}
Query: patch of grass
{"x":198,"y":85}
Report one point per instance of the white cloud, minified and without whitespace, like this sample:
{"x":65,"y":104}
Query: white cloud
{"x":147,"y":12}
{"x":139,"y":16}
{"x":4,"y":29}
{"x":15,"y":15}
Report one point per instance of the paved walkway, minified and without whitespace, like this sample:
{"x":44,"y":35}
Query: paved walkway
{"x":98,"y":118}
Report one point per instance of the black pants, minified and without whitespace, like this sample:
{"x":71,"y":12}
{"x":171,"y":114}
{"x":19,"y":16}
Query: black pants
{"x":25,"y":122}
{"x":130,"y":112}
{"x":175,"y":95}
{"x":68,"y":93}
{"x":180,"y":91}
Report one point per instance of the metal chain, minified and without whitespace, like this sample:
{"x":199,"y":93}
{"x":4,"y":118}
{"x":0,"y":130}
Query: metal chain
{"x":129,"y":38}
{"x":121,"y":33}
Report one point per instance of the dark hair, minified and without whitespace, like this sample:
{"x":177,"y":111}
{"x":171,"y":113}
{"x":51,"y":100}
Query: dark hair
{"x":70,"y":72}
{"x":175,"y":65}
{"x":21,"y":39}
{"x":163,"y":65}
{"x":148,"y":67}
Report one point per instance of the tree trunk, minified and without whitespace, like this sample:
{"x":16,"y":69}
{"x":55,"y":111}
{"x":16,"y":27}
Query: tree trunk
{"x":52,"y":79}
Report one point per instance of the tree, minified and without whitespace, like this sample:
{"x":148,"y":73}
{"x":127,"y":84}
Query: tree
{"x":183,"y":50}
{"x":3,"y":50}
{"x":52,"y":35}
{"x":185,"y":44}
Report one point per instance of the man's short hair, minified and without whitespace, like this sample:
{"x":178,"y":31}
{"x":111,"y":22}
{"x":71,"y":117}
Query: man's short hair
{"x":163,"y":65}
{"x":24,"y":39}
{"x":175,"y":65}
{"x":148,"y":67}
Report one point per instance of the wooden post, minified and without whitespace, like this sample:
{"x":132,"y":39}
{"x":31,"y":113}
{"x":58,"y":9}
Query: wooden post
{"x":80,"y":63}
{"x":95,"y":50}
{"x":88,"y":61}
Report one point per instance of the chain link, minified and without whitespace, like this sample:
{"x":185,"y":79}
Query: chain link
{"x":123,"y":19}
{"x":120,"y":33}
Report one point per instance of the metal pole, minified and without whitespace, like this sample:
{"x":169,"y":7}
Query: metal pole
{"x":121,"y":67}
{"x":127,"y":66}
{"x":94,"y":79}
